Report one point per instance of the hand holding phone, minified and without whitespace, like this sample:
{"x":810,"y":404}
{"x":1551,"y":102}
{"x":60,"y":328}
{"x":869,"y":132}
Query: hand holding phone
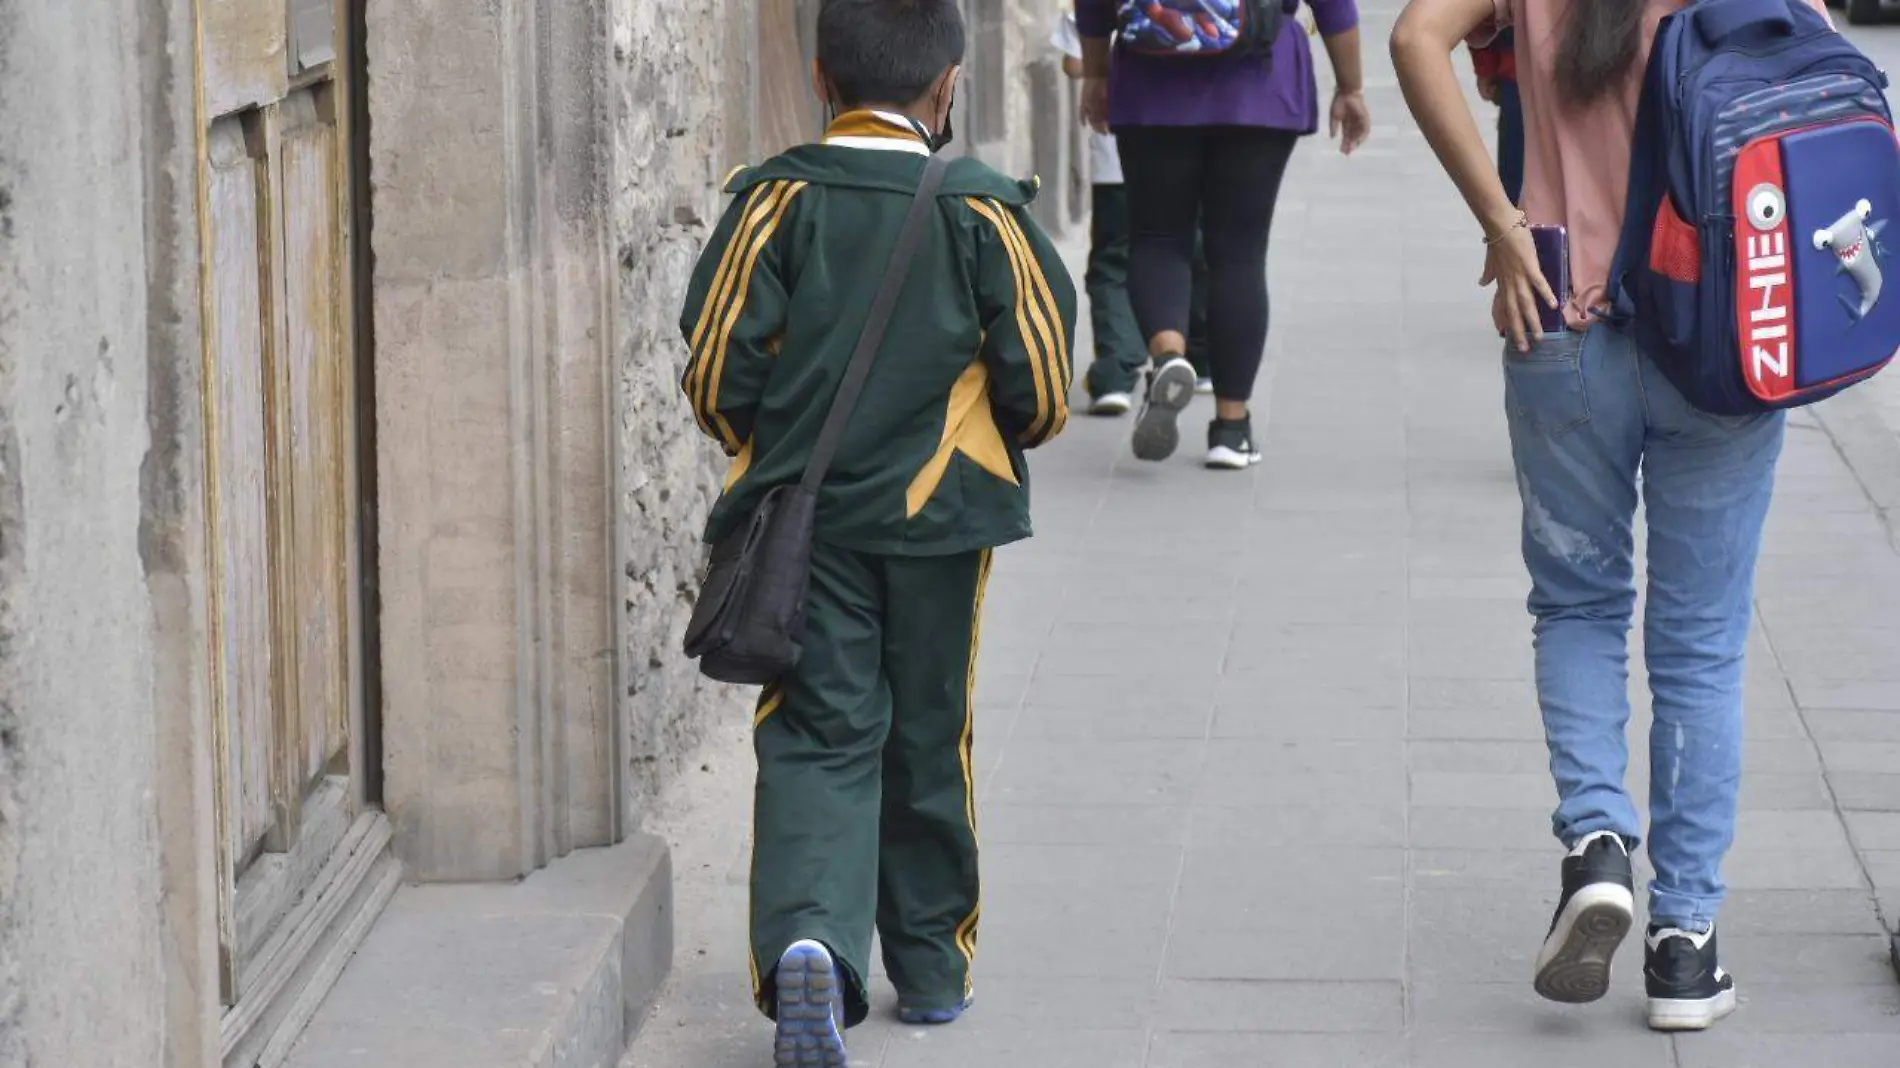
{"x":1522,"y":305}
{"x":1553,"y":258}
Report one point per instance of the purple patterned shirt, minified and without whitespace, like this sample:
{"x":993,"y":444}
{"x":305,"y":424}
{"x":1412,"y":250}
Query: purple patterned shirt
{"x":1218,"y":90}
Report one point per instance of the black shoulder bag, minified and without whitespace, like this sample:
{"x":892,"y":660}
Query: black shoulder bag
{"x":750,"y":615}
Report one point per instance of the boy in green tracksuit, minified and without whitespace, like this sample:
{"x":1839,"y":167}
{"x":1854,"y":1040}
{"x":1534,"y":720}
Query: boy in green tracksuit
{"x":864,"y":812}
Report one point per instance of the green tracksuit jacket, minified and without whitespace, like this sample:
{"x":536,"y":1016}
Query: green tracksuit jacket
{"x":975,"y":367}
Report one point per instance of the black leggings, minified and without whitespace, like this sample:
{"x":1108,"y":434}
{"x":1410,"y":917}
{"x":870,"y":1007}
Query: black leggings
{"x":1225,"y":179}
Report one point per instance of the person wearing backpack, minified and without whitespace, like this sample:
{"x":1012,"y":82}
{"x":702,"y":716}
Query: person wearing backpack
{"x":1596,"y":422}
{"x":1207,"y":99}
{"x":1121,"y":353}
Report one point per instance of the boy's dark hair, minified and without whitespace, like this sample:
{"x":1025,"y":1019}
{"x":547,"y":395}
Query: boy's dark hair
{"x":888,"y":51}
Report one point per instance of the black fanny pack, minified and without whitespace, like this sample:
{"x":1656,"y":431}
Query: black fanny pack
{"x":749,"y":618}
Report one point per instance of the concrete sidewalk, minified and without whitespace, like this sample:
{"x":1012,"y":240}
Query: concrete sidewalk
{"x":1262,"y":775}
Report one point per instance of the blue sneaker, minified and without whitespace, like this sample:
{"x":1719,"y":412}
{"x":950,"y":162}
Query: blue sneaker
{"x":933,"y":1017}
{"x":810,"y":1009}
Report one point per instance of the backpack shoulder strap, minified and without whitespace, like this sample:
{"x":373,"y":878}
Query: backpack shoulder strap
{"x":1648,"y":179}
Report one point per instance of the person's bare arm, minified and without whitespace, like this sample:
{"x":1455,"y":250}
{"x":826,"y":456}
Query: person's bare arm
{"x":1095,"y":82}
{"x":1351,"y":120}
{"x":1349,"y":72}
{"x":1422,"y":45}
{"x":1072,"y":66}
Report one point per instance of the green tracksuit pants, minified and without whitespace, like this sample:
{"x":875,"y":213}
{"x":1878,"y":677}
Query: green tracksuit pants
{"x":864,"y":816}
{"x":1121,"y":353}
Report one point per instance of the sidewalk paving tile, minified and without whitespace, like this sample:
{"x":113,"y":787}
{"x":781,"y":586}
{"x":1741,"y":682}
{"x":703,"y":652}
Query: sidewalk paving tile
{"x":1867,"y":791}
{"x":1160,"y":771}
{"x":1476,"y":1012}
{"x":1838,"y":724}
{"x":1437,"y":827}
{"x":1802,"y":912}
{"x":1824,"y":960}
{"x":1299,"y":826}
{"x":1511,"y":1050}
{"x":963,"y":1046}
{"x":1200,"y":1005}
{"x":1243,"y":719}
{"x":1738,"y":1049}
{"x":1190,"y":1049}
{"x":1875,"y":830}
{"x":1770,"y":791}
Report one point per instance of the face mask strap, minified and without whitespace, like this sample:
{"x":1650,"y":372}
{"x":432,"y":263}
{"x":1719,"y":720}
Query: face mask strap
{"x":831,"y":105}
{"x":941,"y":140}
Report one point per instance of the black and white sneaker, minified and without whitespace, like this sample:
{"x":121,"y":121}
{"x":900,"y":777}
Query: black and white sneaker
{"x":1593,"y":916}
{"x":1230,"y":444}
{"x":1170,"y":391}
{"x":1688,"y":990}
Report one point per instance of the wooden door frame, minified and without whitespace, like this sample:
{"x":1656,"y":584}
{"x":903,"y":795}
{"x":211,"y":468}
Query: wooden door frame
{"x":283,"y":931}
{"x":354,"y":72}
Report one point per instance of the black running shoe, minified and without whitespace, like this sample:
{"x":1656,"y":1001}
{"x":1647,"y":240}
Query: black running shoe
{"x":1688,"y":990}
{"x":1593,"y":916}
{"x":1230,"y":444}
{"x":1170,"y":391}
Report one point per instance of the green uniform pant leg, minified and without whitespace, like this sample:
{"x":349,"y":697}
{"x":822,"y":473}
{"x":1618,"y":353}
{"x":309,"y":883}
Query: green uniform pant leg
{"x":1120,"y":351}
{"x":929,"y":898}
{"x":1197,"y":311}
{"x":819,"y":736}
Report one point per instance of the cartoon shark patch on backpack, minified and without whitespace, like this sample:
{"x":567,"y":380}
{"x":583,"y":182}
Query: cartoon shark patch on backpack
{"x":1763,"y":173}
{"x":1855,"y":241}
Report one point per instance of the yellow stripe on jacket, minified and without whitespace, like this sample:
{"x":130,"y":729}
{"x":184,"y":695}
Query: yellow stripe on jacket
{"x":1035,"y":312}
{"x":1048,"y":318}
{"x":712,"y":335}
{"x":759,"y":204}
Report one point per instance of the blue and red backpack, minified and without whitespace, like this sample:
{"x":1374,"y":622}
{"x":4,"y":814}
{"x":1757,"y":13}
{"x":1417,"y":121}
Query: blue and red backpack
{"x":1764,"y":175}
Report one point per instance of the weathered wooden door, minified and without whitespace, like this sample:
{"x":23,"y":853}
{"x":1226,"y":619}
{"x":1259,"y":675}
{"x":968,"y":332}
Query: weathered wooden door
{"x":299,"y":841}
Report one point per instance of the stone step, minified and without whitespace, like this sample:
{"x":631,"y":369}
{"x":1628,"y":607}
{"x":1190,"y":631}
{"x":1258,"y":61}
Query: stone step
{"x":555,"y":971}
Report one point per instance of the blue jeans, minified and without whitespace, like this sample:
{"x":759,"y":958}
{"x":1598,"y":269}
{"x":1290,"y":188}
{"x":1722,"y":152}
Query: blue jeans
{"x":1586,"y":413}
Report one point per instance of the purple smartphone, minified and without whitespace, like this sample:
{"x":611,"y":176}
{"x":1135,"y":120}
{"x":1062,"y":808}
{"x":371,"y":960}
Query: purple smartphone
{"x":1553,"y":258}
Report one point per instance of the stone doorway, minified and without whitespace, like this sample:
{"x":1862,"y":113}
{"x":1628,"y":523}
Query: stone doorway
{"x":303,"y":858}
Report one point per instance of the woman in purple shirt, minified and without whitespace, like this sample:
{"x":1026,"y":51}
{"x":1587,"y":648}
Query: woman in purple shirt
{"x":1209,"y":137}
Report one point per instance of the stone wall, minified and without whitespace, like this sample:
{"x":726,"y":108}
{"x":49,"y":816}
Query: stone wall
{"x":1025,"y":124}
{"x":491,"y":167}
{"x":85,"y":108}
{"x":1026,"y":39}
{"x":683,"y":118}
{"x":1044,"y":131}
{"x":12,"y":565}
